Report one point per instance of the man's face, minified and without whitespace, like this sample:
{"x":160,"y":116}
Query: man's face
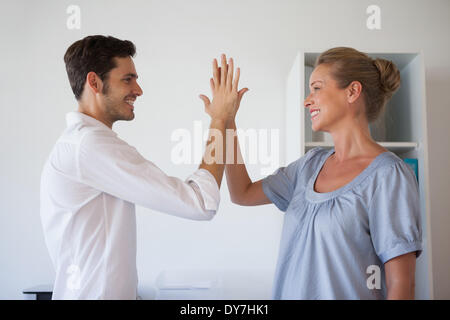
{"x":120,"y":90}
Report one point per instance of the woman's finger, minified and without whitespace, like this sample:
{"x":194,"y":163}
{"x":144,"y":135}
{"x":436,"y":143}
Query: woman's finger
{"x":212,"y":84}
{"x":230,"y":74}
{"x":236,"y":79}
{"x":223,"y":73}
{"x":216,"y":73}
{"x":205,"y":100}
{"x":241,"y":94}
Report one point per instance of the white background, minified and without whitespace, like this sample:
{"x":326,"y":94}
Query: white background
{"x":176,"y":42}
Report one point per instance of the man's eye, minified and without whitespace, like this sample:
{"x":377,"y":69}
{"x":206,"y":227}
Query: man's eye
{"x":316,"y":88}
{"x":127,"y":79}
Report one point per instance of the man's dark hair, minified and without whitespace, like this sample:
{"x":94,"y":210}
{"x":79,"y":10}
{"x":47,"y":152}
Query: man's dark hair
{"x":94,"y":53}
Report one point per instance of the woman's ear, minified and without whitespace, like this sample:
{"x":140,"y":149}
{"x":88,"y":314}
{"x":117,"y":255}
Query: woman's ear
{"x":354,"y":90}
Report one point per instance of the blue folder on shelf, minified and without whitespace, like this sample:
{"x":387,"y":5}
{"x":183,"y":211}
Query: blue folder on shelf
{"x":414,"y":165}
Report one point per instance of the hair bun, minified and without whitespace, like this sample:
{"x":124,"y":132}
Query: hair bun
{"x":389,"y":75}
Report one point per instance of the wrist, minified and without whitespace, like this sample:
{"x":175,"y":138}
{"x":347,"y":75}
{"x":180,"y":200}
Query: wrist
{"x":219,"y":121}
{"x":231,"y":121}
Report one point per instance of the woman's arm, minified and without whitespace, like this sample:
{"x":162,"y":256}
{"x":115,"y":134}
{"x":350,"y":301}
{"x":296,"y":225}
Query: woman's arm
{"x":242,"y":190}
{"x":400,"y":277}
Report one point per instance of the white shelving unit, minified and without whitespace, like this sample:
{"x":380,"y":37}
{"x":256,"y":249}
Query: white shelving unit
{"x":401,"y":129}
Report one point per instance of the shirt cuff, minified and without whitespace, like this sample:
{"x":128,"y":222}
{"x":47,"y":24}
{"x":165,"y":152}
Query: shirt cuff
{"x":209,"y":190}
{"x":400,"y":249}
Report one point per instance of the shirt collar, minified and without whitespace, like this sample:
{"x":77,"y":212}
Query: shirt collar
{"x":75,"y":117}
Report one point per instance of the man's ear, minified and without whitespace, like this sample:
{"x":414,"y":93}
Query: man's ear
{"x":354,"y":90}
{"x":94,"y":82}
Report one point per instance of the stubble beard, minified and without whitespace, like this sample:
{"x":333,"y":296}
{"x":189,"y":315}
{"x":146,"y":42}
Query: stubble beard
{"x":114,"y":108}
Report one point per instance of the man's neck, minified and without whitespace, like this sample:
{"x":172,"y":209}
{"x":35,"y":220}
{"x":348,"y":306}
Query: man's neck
{"x":91,"y":113}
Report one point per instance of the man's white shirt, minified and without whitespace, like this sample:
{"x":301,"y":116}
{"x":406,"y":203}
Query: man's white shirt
{"x":89,"y":187}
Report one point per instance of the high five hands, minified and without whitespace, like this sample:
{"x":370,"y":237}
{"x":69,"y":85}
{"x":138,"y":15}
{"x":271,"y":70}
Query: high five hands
{"x":226,"y":97}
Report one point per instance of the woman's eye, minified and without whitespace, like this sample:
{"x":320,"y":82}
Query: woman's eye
{"x":316,"y":88}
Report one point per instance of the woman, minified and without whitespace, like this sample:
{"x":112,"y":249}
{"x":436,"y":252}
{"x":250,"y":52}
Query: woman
{"x":350,"y":211}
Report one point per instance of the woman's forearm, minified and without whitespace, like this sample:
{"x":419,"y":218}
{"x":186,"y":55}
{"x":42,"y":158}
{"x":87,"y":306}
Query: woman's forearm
{"x":238,"y":179}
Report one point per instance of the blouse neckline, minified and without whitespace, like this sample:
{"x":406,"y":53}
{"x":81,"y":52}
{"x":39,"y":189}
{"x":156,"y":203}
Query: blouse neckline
{"x":314,"y":196}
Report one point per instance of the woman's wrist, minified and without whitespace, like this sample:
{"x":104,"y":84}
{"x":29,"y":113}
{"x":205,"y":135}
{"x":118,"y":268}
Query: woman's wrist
{"x":219,"y":121}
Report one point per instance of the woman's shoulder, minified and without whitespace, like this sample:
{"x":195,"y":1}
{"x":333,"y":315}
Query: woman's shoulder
{"x":388,"y":162}
{"x":307,"y":163}
{"x":316,"y":153}
{"x":392,"y":169}
{"x":311,"y":157}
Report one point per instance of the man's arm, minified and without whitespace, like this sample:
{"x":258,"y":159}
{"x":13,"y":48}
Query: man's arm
{"x":110,"y":165}
{"x":213,"y":159}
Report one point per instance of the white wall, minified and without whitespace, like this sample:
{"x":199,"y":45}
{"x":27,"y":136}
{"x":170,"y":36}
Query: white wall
{"x":176,"y":41}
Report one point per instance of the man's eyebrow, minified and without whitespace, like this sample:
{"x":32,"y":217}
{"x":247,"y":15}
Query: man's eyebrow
{"x":133,"y":75}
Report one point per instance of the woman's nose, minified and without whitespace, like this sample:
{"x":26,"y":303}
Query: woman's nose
{"x":307,"y":101}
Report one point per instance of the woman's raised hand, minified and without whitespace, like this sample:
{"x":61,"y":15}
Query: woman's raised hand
{"x":224,"y":87}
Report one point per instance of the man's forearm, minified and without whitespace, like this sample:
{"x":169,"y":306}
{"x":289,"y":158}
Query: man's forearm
{"x":214,"y":158}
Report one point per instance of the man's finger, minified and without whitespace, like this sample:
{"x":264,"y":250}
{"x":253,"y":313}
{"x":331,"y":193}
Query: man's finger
{"x":212,"y":84}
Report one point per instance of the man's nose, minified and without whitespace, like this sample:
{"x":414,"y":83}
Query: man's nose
{"x":138,"y":90}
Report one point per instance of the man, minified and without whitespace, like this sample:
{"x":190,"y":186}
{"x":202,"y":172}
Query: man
{"x":93,"y":179}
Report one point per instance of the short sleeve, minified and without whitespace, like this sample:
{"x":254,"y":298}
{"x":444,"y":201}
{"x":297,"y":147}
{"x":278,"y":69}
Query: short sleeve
{"x":394,"y":213}
{"x":279,"y":187}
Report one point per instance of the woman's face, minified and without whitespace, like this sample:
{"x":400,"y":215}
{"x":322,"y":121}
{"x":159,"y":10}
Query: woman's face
{"x":326,"y":102}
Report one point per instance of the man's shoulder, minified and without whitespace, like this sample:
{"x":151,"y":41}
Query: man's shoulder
{"x":82,"y":132}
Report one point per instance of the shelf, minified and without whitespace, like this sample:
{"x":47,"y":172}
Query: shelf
{"x":396,"y":147}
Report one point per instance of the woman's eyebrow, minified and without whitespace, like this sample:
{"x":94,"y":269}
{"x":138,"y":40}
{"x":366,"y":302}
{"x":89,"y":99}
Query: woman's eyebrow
{"x":315,"y":82}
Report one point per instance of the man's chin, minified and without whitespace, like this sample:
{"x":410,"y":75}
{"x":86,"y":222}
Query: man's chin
{"x":131,"y":117}
{"x":127,"y":117}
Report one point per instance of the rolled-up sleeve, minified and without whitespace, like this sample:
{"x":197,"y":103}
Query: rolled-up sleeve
{"x":206,"y":187}
{"x":110,"y":165}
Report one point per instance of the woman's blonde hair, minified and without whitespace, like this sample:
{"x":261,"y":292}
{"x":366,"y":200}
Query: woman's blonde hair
{"x":379,"y":78}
